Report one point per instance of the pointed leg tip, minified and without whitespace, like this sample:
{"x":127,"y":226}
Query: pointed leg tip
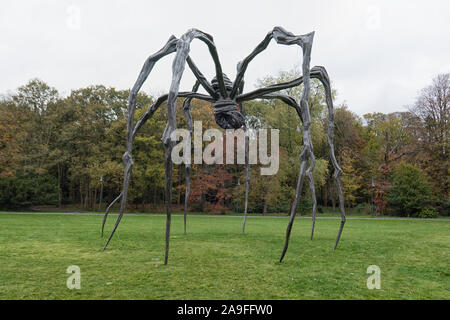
{"x":335,"y":246}
{"x":104,"y":248}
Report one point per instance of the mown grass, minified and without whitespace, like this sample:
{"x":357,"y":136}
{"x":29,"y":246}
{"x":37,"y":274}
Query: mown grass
{"x":216,"y":261}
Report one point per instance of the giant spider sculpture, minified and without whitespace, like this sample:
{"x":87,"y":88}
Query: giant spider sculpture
{"x":226,"y":98}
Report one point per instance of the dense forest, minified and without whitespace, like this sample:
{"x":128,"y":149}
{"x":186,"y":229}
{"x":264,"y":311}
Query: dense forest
{"x":54,"y":151}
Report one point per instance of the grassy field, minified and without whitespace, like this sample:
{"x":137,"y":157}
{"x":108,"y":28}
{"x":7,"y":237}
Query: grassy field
{"x":216,"y":261}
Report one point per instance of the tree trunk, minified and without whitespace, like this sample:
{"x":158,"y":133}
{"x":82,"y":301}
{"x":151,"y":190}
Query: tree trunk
{"x":333,"y":201}
{"x":202,"y":203}
{"x":59,"y":186}
{"x":143,"y":201}
{"x":265,"y":208}
{"x":110,"y":196}
{"x":86,"y":201}
{"x":94,"y":201}
{"x":81,"y":194}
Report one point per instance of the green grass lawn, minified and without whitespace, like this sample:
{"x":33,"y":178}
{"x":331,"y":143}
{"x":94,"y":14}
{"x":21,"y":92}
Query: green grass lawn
{"x":216,"y":261}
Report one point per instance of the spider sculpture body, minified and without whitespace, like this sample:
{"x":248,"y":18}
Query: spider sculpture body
{"x":226,"y":97}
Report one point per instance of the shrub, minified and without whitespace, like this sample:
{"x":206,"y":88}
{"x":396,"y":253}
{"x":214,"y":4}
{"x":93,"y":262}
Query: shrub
{"x":442,"y":206}
{"x":411,"y":191}
{"x":27,"y":190}
{"x":427,"y":213}
{"x":305,"y":205}
{"x":363,"y":208}
{"x":319,"y":208}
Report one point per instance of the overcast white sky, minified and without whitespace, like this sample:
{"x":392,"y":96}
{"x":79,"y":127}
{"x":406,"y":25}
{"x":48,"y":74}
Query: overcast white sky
{"x":379,"y":54}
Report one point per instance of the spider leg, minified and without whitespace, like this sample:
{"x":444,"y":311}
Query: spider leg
{"x":208,"y":40}
{"x":201,"y":78}
{"x":127,"y":157}
{"x":187,"y":112}
{"x":181,"y":46}
{"x":291,"y":102}
{"x":303,"y":161}
{"x":147,"y":115}
{"x":320,"y":73}
{"x":247,"y":162}
{"x":281,"y":36}
{"x":168,"y":146}
{"x":178,"y":66}
{"x":306,"y":153}
{"x":309,"y":173}
{"x":306,"y":45}
{"x":310,"y":154}
{"x":247,"y":177}
{"x":316,"y":72}
{"x":177,"y":71}
{"x":107,"y":211}
{"x":323,"y":77}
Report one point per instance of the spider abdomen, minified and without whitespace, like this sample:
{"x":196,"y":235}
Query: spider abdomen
{"x":227,"y":114}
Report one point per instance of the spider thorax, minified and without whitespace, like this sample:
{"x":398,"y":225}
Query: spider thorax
{"x":226,"y":110}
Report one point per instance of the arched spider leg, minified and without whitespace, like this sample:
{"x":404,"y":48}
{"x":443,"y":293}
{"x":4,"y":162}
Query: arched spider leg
{"x":201,"y":78}
{"x":177,"y":72}
{"x":317,"y":72}
{"x":282,"y":36}
{"x":181,"y":46}
{"x":257,"y":93}
{"x":187,"y":112}
{"x":127,"y":157}
{"x":321,"y":74}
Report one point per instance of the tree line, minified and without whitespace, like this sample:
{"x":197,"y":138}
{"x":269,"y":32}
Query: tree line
{"x":54,"y":151}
